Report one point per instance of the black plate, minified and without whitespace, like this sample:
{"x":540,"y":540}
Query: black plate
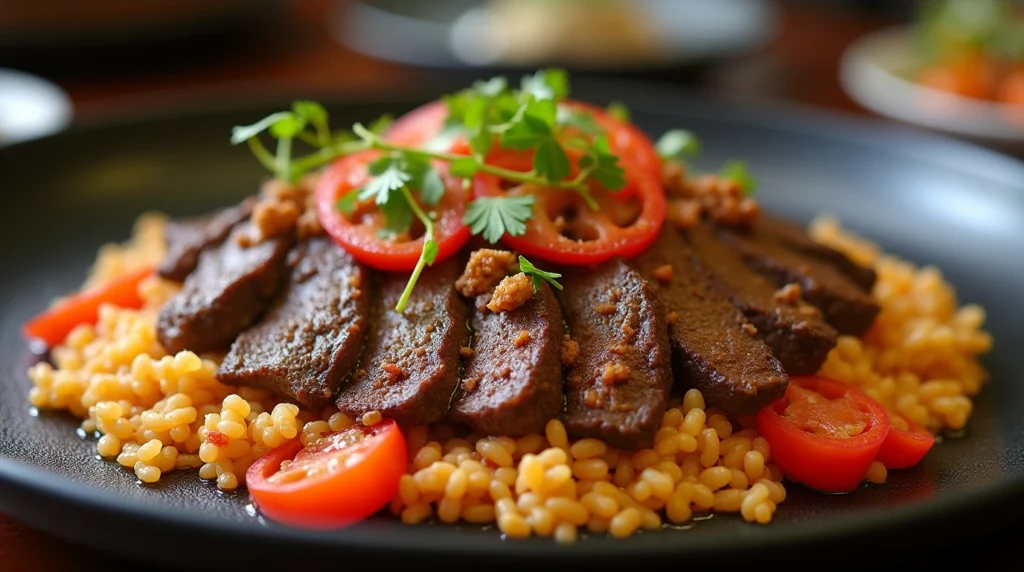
{"x":931,"y":200}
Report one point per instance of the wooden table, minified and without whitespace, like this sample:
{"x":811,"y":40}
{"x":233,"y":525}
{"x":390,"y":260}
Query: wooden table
{"x":799,"y":66}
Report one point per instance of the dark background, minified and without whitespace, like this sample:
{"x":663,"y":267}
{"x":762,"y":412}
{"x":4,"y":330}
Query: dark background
{"x":130,"y":57}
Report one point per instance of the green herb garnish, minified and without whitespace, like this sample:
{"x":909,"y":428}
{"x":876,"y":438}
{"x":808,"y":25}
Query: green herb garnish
{"x":618,"y":110}
{"x":739,"y":172}
{"x":494,"y":217}
{"x":678,"y":145}
{"x":537,"y":275}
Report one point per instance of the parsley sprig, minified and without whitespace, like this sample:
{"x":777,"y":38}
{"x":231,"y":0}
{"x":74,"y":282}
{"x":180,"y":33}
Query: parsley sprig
{"x":405,"y":185}
{"x":537,"y":275}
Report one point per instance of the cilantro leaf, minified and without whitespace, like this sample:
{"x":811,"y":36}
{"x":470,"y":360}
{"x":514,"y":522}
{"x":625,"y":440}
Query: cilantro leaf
{"x":381,"y":124}
{"x":678,"y":144}
{"x":288,"y":126}
{"x":739,"y":172}
{"x":605,"y":164}
{"x":431,"y":186}
{"x":580,"y":120}
{"x":618,"y":110}
{"x":480,"y":142}
{"x":493,"y":217}
{"x":492,"y":87}
{"x":380,"y":187}
{"x":550,"y":160}
{"x":547,"y":84}
{"x":543,"y":110}
{"x":430,"y":251}
{"x":311,"y":111}
{"x":527,"y":133}
{"x":347,"y":203}
{"x":465,"y":167}
{"x":397,"y":217}
{"x":242,"y":133}
{"x":538,"y":275}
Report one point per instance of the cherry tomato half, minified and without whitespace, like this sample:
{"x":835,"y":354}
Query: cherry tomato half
{"x":564,"y":230}
{"x":904,"y":447}
{"x":53,"y":325}
{"x":360,"y":232}
{"x":339,"y":479}
{"x":824,"y":433}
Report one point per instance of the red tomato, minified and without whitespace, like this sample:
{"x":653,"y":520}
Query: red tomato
{"x":53,"y":325}
{"x":358,"y":233}
{"x":627,"y":141}
{"x":823,"y":433}
{"x":905,"y":448}
{"x":417,"y":127}
{"x":564,"y":230}
{"x":339,"y":479}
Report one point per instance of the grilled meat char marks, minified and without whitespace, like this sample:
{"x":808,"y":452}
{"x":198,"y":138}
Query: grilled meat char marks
{"x":512,"y":383}
{"x":847,"y":308}
{"x":228,"y":291}
{"x":618,"y":387}
{"x":713,"y":348}
{"x":187,"y":238}
{"x":410,"y":363}
{"x":795,"y":331}
{"x":311,"y":337}
{"x":795,"y":238}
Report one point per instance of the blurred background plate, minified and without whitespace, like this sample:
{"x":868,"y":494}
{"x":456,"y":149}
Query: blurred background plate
{"x":30,"y":107}
{"x":875,"y":72}
{"x":592,"y":35}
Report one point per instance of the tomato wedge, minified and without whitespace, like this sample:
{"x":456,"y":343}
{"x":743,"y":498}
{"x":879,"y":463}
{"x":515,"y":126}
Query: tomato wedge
{"x":419,"y":125}
{"x":53,"y":325}
{"x":824,"y":433}
{"x":360,"y":232}
{"x":564,"y":230}
{"x":904,"y":448}
{"x":339,"y":479}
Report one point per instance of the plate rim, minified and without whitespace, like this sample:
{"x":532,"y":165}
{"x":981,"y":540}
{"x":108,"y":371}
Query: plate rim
{"x":17,"y":477}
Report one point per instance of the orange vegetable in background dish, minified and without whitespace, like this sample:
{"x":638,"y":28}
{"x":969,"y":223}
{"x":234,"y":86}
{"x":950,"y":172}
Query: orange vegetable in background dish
{"x":339,"y":479}
{"x":53,"y":325}
{"x":824,"y":433}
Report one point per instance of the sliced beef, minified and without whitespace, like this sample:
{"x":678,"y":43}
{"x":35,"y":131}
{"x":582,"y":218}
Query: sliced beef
{"x":228,"y":291}
{"x":410,"y":364}
{"x":512,"y":382}
{"x":848,"y":308}
{"x":795,"y":331}
{"x":618,"y":387}
{"x":186,"y":238}
{"x":713,"y":348}
{"x":311,"y":337}
{"x":796,"y":238}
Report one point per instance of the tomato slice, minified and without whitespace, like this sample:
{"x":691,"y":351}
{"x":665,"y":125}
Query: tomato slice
{"x":418,"y":126}
{"x":824,"y":433}
{"x":360,"y":232}
{"x":53,"y":325}
{"x":905,"y":445}
{"x":624,"y":139}
{"x":564,"y":230}
{"x":339,"y":479}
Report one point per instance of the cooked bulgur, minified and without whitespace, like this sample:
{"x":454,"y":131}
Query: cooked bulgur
{"x":157,"y":412}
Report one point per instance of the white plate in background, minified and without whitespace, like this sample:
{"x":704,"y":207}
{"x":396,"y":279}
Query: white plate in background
{"x":30,"y":107}
{"x":872,"y":71}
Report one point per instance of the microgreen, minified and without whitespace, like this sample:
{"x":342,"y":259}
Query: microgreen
{"x":618,"y":110}
{"x":537,"y":275}
{"x":678,"y":144}
{"x":494,"y":217}
{"x":739,"y":172}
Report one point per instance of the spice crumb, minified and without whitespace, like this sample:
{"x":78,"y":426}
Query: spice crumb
{"x":465,"y":351}
{"x":394,"y":372}
{"x":663,"y":273}
{"x":613,"y":373}
{"x":750,"y":328}
{"x":605,"y":308}
{"x":570,"y":350}
{"x":672,"y":318}
{"x":485,"y":269}
{"x":511,"y":293}
{"x":790,"y":293}
{"x":522,"y":339}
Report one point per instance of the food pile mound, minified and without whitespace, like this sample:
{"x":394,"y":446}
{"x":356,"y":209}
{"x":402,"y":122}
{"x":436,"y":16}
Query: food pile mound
{"x":506,"y":307}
